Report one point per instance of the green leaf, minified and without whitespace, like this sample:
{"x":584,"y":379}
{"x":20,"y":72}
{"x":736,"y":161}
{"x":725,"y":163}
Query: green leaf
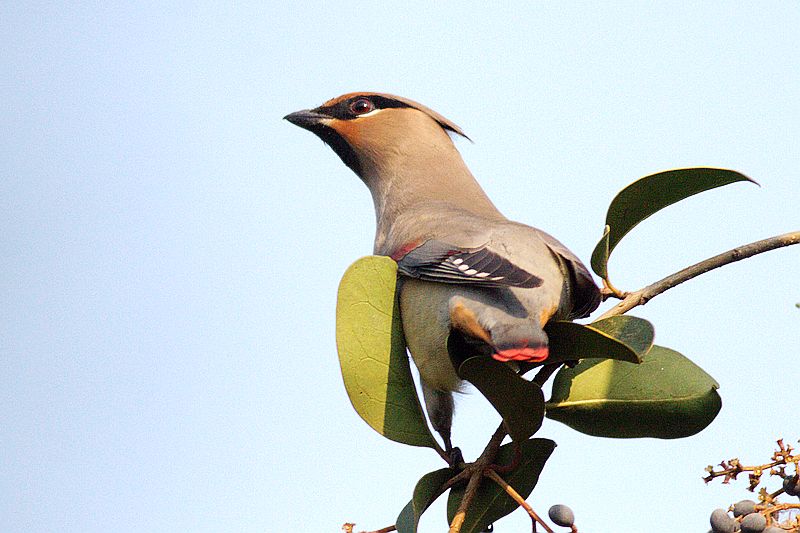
{"x":491,"y":502}
{"x":520,"y":402}
{"x":636,"y":333}
{"x":601,"y":254}
{"x":425,"y":493}
{"x":625,"y":338}
{"x":649,"y":195}
{"x":666,"y":396}
{"x":372,"y":353}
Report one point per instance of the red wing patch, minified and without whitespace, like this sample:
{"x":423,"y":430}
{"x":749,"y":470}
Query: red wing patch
{"x":401,"y":252}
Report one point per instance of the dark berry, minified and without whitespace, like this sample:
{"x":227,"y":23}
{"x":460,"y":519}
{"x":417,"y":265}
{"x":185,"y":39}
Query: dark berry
{"x":561,"y":515}
{"x":791,"y":485}
{"x":721,"y":522}
{"x":744,"y":507}
{"x":754,"y":523}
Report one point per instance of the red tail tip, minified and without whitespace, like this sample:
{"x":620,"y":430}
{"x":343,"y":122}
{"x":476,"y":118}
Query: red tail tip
{"x":535,"y":355}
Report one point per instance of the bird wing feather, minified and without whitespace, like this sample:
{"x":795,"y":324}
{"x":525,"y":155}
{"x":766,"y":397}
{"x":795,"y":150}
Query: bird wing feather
{"x":584,"y":292}
{"x":436,"y":260}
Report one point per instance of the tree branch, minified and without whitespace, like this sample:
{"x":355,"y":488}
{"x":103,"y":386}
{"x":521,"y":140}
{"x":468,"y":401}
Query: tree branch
{"x":517,"y":498}
{"x":469,"y":495}
{"x":642,"y":296}
{"x":545,"y":372}
{"x":483,"y":467}
{"x":475,"y":471}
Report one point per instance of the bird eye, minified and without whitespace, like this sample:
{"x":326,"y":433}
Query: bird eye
{"x":362,"y":106}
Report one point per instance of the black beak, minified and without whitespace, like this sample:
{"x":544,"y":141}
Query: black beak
{"x":319,"y":124}
{"x":306,"y":118}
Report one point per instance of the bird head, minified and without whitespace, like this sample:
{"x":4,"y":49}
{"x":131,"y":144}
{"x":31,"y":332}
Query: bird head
{"x":370,"y":132}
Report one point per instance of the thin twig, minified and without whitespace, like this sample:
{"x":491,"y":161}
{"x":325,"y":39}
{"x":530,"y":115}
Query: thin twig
{"x":444,"y":455}
{"x":493,"y":445}
{"x":644,"y":295}
{"x":610,"y":290}
{"x":781,"y":507}
{"x":458,"y":478}
{"x":733,"y":468}
{"x":491,"y":474}
{"x":510,"y":467}
{"x":386,"y":529}
{"x":348,"y":528}
{"x":469,"y":495}
{"x":476,"y":471}
{"x":545,"y":372}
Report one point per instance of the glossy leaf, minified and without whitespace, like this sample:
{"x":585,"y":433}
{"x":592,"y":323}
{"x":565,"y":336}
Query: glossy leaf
{"x":601,"y":254}
{"x":649,"y":195}
{"x":624,"y":338}
{"x":425,"y":493}
{"x":636,"y":333}
{"x":666,"y":396}
{"x":491,"y":502}
{"x":520,"y":402}
{"x":372,"y":352}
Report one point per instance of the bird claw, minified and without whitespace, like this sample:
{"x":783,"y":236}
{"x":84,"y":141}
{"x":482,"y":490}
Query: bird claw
{"x":455,"y":458}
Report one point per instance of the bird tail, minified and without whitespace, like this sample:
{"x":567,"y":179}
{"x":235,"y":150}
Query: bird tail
{"x":511,"y":338}
{"x":531,"y":355}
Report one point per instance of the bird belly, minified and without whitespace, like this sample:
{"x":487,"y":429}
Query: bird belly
{"x":426,"y":326}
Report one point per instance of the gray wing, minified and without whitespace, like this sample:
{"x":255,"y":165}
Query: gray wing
{"x":584,"y":292}
{"x":442,"y":262}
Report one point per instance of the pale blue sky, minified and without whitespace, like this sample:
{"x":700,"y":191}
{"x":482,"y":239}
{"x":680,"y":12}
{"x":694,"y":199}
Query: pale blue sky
{"x":171,"y":248}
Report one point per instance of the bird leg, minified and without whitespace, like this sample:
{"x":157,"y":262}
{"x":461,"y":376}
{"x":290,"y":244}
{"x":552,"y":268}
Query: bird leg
{"x":440,"y":408}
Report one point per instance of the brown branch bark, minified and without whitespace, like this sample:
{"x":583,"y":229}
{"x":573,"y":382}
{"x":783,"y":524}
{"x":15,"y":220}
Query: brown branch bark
{"x":469,"y":495}
{"x":387,"y":529}
{"x":642,"y":296}
{"x":348,"y":528}
{"x":629,"y":301}
{"x":518,"y":498}
{"x":476,"y":472}
{"x":545,"y":372}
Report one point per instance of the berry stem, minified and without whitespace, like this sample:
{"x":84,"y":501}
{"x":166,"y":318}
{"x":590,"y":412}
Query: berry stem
{"x":642,"y":296}
{"x":491,"y":474}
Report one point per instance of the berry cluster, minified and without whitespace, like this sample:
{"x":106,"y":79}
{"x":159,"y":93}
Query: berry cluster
{"x":769,"y":515}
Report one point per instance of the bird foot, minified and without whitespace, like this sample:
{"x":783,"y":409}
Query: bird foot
{"x":455,"y":458}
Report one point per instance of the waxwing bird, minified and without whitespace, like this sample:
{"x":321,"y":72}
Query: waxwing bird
{"x":466,"y":270}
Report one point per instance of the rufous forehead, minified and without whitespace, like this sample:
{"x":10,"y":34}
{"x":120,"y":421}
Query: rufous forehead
{"x":339,"y":99}
{"x":333,"y":101}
